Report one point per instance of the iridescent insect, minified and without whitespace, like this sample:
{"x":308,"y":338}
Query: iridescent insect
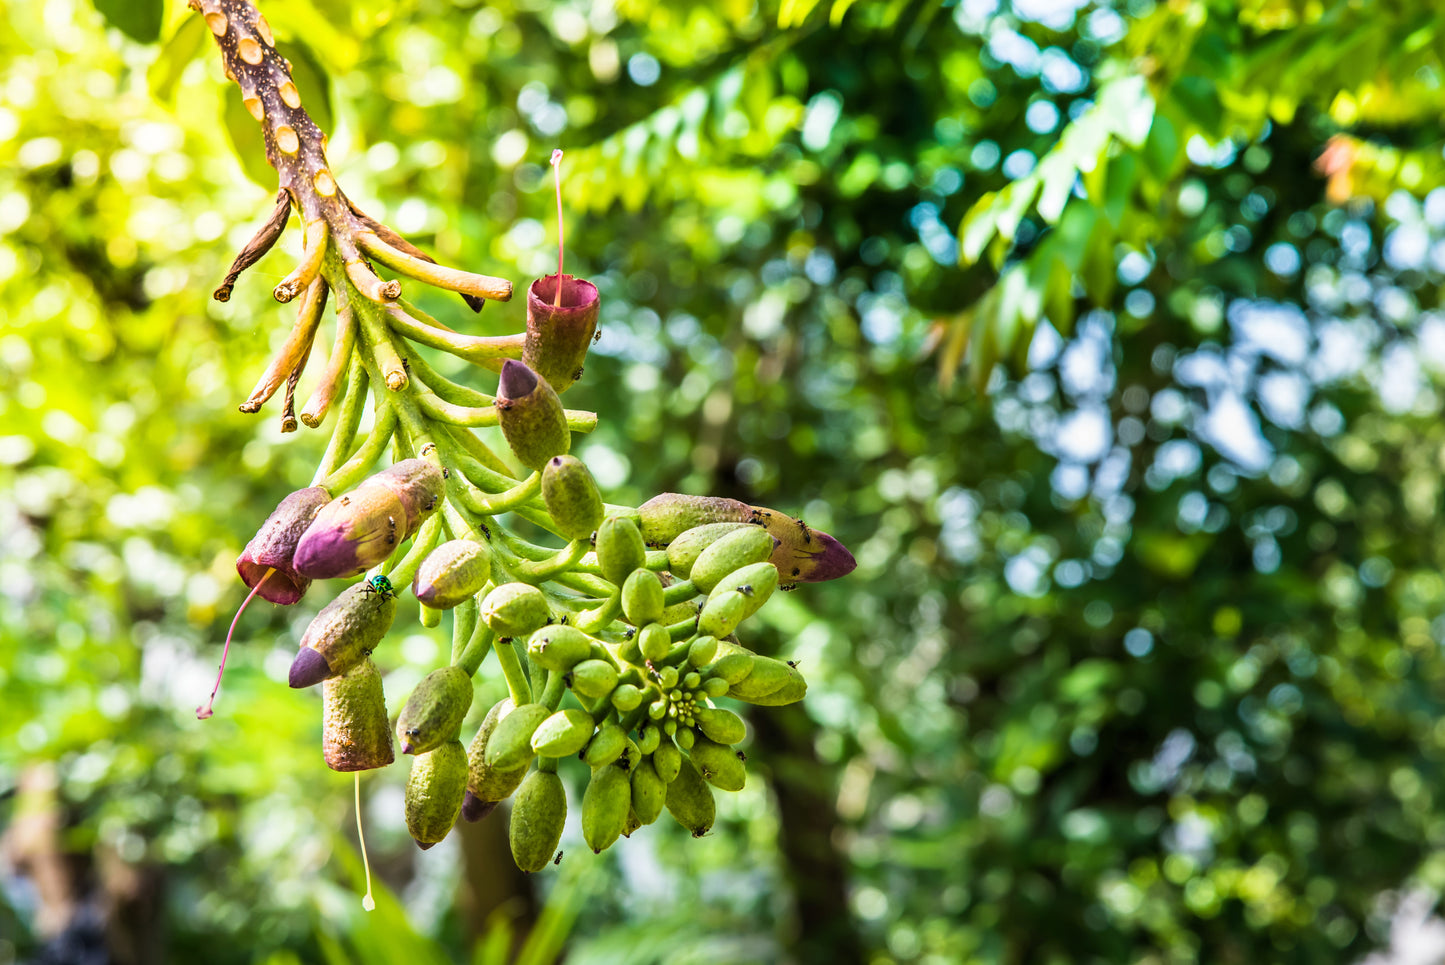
{"x":381,"y":586}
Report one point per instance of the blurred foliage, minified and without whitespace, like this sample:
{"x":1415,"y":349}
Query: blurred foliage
{"x":1143,"y":658}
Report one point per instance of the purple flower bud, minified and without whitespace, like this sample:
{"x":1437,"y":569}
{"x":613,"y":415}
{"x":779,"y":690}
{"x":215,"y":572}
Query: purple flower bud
{"x":531,"y":416}
{"x":350,"y":534}
{"x":417,"y":483}
{"x":273,"y":548}
{"x":342,"y":635}
{"x":558,"y":336}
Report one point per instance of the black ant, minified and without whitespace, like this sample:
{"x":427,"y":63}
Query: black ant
{"x":558,"y":859}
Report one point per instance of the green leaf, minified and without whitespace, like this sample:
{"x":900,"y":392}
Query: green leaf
{"x":1161,"y":149}
{"x":977,"y":229}
{"x":1200,"y":101}
{"x":140,"y":20}
{"x":1118,"y":185}
{"x":176,"y":54}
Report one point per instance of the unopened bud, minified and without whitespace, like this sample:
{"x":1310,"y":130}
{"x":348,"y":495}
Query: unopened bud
{"x":511,"y":742}
{"x":435,"y":710}
{"x":572,"y":497}
{"x":733,"y":551}
{"x":355,"y":729}
{"x":667,"y":516}
{"x":351,"y":534}
{"x":642,"y":600}
{"x":683,"y":551}
{"x":434,"y":793}
{"x":487,"y":785}
{"x":804,"y":554}
{"x":343,"y":634}
{"x":539,"y":812}
{"x":606,"y":746}
{"x":718,"y":764}
{"x":559,"y":647}
{"x":531,"y":416}
{"x":515,"y":610}
{"x":668,"y":761}
{"x":690,"y":801}
{"x":648,"y":792}
{"x":594,"y":678}
{"x":563,"y":734}
{"x":719,"y":725}
{"x":417,"y":483}
{"x":274,"y":547}
{"x":604,"y":807}
{"x":452,"y":573}
{"x":620,"y":549}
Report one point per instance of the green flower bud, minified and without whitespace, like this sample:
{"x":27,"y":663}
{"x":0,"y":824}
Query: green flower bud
{"x":486,"y":785}
{"x":719,"y":725}
{"x":452,"y":573}
{"x":689,"y":800}
{"x":648,"y":738}
{"x":355,"y":729}
{"x":435,"y":710}
{"x":654,"y":642}
{"x":657,"y":709}
{"x":351,"y":534}
{"x":667,"y":759}
{"x":701,"y":651}
{"x":742,"y":547}
{"x":667,"y":516}
{"x":715,"y":687}
{"x":608,"y":745}
{"x":558,"y":336}
{"x":604,"y":807}
{"x":756,"y":582}
{"x":594,"y":678}
{"x":769,"y":676}
{"x":511,"y":742}
{"x":632,"y":824}
{"x":718,"y":764}
{"x":427,"y":617}
{"x":626,"y":698}
{"x":572,"y":497}
{"x":692,"y":681}
{"x":531,"y":416}
{"x":342,"y":635}
{"x":417,"y":484}
{"x":559,"y":647}
{"x":721,"y":615}
{"x":667,"y":677}
{"x":684,"y":738}
{"x":564,"y":733}
{"x":515,"y":610}
{"x":683,"y":551}
{"x":648,"y":792}
{"x":538,"y":815}
{"x":733,"y":663}
{"x":434,"y":792}
{"x":619,"y":549}
{"x":789,"y":693}
{"x":642,"y":598}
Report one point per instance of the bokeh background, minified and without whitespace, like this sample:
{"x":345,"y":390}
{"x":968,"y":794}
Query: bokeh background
{"x":1105,"y":333}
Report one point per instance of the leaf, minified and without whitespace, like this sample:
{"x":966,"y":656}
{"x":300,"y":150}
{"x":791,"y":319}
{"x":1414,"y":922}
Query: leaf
{"x":1161,"y":149}
{"x":1118,"y":185}
{"x":1059,"y":175}
{"x":1200,"y":101}
{"x":176,"y":55}
{"x":140,"y":20}
{"x":792,"y":13}
{"x":1014,"y":200}
{"x":977,"y":229}
{"x":950,"y":357}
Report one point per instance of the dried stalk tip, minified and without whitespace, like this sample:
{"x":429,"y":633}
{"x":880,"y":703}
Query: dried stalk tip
{"x":259,"y":244}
